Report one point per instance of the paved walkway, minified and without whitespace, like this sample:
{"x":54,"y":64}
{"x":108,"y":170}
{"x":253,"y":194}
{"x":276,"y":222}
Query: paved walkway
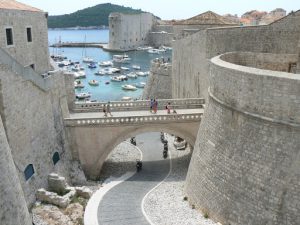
{"x":132,"y":113}
{"x":122,"y":205}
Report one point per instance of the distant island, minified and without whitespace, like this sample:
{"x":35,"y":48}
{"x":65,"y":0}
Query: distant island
{"x":96,"y":17}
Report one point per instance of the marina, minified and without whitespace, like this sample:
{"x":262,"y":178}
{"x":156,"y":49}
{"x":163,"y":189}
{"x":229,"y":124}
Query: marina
{"x":135,"y":69}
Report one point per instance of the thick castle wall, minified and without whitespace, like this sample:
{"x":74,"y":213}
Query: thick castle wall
{"x":33,"y":121}
{"x":129,"y":31}
{"x":26,"y":53}
{"x":13,"y":205}
{"x":159,"y":82}
{"x":245,"y":165}
{"x":191,"y":54}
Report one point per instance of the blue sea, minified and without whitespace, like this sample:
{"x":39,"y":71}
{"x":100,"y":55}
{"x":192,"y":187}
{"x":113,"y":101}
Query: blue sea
{"x":113,"y":91}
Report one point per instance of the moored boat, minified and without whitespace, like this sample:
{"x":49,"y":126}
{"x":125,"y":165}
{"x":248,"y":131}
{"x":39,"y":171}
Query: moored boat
{"x":106,"y":63}
{"x":132,"y":75}
{"x":94,"y":83}
{"x":83,"y":95}
{"x":88,"y":60}
{"x":92,"y":65}
{"x":140,"y":85}
{"x":78,"y":84}
{"x":136,"y":67}
{"x":129,"y":87}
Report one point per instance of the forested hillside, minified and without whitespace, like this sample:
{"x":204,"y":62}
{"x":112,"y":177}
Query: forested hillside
{"x":92,"y":16}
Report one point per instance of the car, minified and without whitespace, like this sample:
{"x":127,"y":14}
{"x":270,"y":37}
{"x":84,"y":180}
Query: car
{"x":179,"y":143}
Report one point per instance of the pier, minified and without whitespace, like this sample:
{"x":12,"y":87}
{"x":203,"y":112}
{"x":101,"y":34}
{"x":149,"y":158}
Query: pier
{"x":79,"y":45}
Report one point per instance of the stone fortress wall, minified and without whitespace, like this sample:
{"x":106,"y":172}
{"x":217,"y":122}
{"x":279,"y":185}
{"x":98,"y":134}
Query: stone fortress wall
{"x":129,"y":31}
{"x":10,"y":189}
{"x":245,"y":165}
{"x":191,"y":55}
{"x":32,"y":108}
{"x":159,"y":84}
{"x":27,"y":53}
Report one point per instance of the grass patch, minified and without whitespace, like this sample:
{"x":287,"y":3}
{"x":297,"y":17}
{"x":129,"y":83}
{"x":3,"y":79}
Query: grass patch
{"x":206,"y":216}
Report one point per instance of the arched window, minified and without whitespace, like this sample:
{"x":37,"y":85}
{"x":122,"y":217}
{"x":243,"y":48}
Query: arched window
{"x":55,"y":158}
{"x":29,"y":171}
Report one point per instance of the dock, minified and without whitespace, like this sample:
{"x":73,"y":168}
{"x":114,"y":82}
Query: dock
{"x":79,"y":45}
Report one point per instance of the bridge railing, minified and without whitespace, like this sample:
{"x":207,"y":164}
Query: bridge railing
{"x":139,"y":105}
{"x":133,"y":120}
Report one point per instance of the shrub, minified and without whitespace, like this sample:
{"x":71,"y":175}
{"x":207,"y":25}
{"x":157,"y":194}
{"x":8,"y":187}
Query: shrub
{"x":206,"y":216}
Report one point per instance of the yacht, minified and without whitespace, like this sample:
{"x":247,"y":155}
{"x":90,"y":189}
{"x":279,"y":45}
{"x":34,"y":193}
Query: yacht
{"x":136,"y":67}
{"x":121,"y":58}
{"x":106,"y":63}
{"x":87,"y":60}
{"x":83,"y":95}
{"x":132,"y":75}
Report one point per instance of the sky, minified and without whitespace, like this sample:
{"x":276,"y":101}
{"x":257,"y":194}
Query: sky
{"x":169,"y":9}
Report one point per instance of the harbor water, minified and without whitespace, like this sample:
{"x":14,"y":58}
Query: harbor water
{"x":104,"y":92}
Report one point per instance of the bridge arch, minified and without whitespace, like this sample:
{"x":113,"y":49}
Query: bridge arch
{"x":92,"y":136}
{"x":93,"y":144}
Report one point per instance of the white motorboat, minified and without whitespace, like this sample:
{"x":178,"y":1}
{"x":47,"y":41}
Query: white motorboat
{"x":80,"y":74}
{"x":136,"y":67}
{"x":106,"y":63}
{"x":77,"y":68}
{"x":64,"y":63}
{"x":132,"y":75}
{"x":116,"y":79}
{"x":88,"y":60}
{"x":140,"y":85}
{"x":129,"y":87}
{"x":125,"y":98}
{"x":94,"y":83}
{"x":124,"y":68}
{"x":144,"y":48}
{"x":121,"y":58}
{"x":101,"y":72}
{"x":115,"y":70}
{"x":141,"y":74}
{"x":154,"y":51}
{"x":78,"y":84}
{"x":83,"y":95}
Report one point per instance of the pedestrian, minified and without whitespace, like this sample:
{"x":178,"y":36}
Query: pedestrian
{"x":104,"y":110}
{"x":108,"y":109}
{"x":151,"y":105}
{"x":168,"y":108}
{"x":155,"y":105}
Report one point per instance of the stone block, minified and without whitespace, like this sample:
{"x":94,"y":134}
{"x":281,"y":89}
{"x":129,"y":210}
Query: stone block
{"x":83,"y":192}
{"x":57,"y":183}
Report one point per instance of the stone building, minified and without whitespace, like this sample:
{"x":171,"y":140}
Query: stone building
{"x":245,"y":164}
{"x":129,"y":31}
{"x":33,"y":100}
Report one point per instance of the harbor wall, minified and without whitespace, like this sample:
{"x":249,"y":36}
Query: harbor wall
{"x":13,"y":205}
{"x":33,"y":122}
{"x":245,"y":165}
{"x":27,"y":53}
{"x":191,"y":55}
{"x":129,"y":31}
{"x":159,"y":82}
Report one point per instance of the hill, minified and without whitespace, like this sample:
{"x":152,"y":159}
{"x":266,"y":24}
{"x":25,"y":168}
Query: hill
{"x":92,"y":16}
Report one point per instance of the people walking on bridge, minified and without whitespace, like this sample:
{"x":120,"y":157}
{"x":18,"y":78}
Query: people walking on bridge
{"x":151,"y":105}
{"x":104,"y":110}
{"x":155,"y":105}
{"x":168,"y":108}
{"x":108,"y":109}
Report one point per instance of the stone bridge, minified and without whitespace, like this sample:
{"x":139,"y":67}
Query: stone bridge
{"x":92,"y":136}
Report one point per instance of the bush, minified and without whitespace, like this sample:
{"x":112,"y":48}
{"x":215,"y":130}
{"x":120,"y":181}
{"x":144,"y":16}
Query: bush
{"x":185,"y":198}
{"x":193,"y":207}
{"x":206,"y":216}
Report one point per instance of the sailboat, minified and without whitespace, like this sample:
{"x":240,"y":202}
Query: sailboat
{"x":86,"y":59}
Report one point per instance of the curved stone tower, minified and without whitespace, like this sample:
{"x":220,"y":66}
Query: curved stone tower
{"x":13,"y":206}
{"x":245,"y":168}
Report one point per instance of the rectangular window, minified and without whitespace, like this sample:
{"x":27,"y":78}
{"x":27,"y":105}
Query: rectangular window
{"x":29,"y":36}
{"x":9,"y":36}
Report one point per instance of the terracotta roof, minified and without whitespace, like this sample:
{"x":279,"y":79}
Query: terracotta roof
{"x":208,"y":17}
{"x":11,"y":4}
